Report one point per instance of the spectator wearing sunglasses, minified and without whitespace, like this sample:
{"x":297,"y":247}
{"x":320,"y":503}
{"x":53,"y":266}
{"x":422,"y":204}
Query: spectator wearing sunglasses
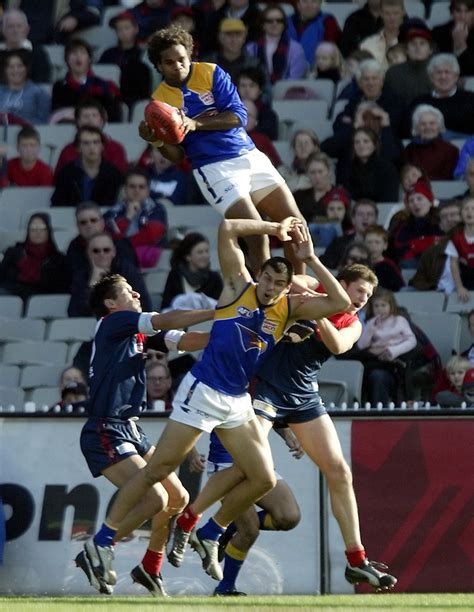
{"x":89,"y":222}
{"x":103,"y":259}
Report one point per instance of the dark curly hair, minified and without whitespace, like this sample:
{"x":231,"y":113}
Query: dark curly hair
{"x":166,"y":38}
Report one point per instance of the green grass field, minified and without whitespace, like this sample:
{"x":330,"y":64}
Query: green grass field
{"x":375,"y":602}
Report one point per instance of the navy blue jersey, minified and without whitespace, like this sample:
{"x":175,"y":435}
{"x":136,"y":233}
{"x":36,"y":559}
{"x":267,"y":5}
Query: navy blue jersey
{"x":292,"y":367}
{"x":117,"y":368}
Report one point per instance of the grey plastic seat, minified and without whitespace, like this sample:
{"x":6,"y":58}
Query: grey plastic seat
{"x":35,"y":352}
{"x":11,"y":306}
{"x":421,"y":301}
{"x":72,"y":330}
{"x":33,"y":376}
{"x":348,"y":371}
{"x":444,"y":331}
{"x":21,"y":329}
{"x":12,"y":396}
{"x":48,"y":306}
{"x":9,"y":375}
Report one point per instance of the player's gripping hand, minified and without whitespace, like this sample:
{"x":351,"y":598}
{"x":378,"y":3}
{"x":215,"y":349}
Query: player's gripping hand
{"x":289,"y":229}
{"x":303,"y":245}
{"x":145,"y":132}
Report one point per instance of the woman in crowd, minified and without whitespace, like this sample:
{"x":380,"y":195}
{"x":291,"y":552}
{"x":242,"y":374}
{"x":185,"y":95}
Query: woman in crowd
{"x":190,"y":271}
{"x":23,"y":100}
{"x":35,"y":265}
{"x":368,"y":175}
{"x":320,"y":173}
{"x":303,"y":143}
{"x":282,"y":57}
{"x":437,"y":157}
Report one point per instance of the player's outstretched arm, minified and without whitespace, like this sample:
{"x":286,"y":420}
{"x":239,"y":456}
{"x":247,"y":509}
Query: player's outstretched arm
{"x":193,"y":341}
{"x":335,"y":300}
{"x":180,"y":318}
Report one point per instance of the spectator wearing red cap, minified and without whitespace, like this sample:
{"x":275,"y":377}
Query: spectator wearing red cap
{"x":428,"y":150}
{"x":151,"y":15}
{"x":460,"y":250}
{"x":468,"y":388}
{"x":420,"y":228}
{"x":336,"y":221}
{"x":457,"y":35}
{"x":410,"y":79}
{"x":185,"y":17}
{"x":135,"y":76}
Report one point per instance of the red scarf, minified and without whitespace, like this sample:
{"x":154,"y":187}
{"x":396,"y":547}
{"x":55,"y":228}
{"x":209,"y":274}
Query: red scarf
{"x":29,"y":265}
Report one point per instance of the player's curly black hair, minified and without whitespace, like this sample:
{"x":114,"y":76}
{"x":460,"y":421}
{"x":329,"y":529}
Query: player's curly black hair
{"x":166,"y":38}
{"x":103,"y":289}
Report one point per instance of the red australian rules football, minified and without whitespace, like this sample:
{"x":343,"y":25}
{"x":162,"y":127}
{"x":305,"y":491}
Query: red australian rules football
{"x":165,"y":121}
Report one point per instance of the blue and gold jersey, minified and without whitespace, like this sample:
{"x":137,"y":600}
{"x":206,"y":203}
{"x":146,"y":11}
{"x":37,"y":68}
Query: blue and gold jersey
{"x":242,"y":333}
{"x":208,"y":91}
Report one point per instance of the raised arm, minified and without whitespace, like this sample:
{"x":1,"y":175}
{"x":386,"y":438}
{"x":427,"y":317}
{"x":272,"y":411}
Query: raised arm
{"x":338,"y":341}
{"x":335,"y":300}
{"x":193,"y":341}
{"x":231,"y":258}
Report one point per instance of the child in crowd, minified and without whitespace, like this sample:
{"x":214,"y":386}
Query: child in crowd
{"x":386,"y":337}
{"x":252,"y":86}
{"x":468,"y":388}
{"x":460,"y":250}
{"x":448,"y":390}
{"x":396,"y":54}
{"x":28,"y":170}
{"x":336,"y":220}
{"x":328,"y":62}
{"x":387,"y":271}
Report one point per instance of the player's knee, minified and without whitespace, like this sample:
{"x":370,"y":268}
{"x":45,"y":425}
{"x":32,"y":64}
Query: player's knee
{"x":178,"y":499}
{"x":266,"y":483}
{"x":155,"y":473}
{"x":339,"y":473}
{"x":157,"y":499}
{"x":287,"y":519}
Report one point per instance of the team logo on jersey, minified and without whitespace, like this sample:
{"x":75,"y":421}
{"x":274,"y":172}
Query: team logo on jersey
{"x":251,"y":340}
{"x":207,"y":98}
{"x":245,"y":312}
{"x":139,"y":342}
{"x":269,"y":326}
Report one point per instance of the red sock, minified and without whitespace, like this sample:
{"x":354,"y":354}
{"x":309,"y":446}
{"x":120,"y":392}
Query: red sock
{"x":152,"y":562}
{"x":355,"y":556}
{"x":187,"y":520}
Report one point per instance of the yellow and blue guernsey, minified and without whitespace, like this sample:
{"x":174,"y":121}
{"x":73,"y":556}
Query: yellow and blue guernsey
{"x":242,"y":333}
{"x":207,"y":91}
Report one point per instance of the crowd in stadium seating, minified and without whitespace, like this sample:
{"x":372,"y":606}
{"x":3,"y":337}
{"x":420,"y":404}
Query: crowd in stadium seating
{"x":399,"y":118}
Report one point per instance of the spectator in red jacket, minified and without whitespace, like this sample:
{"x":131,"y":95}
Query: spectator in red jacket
{"x":28,"y":170}
{"x":139,"y":218}
{"x":91,"y":112}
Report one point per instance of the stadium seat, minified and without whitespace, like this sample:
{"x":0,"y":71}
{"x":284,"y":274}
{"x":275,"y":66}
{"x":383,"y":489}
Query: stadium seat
{"x":320,"y":89}
{"x":338,"y":107}
{"x":333,"y":392}
{"x":40,"y":375}
{"x":386,"y":212}
{"x":63,"y":217}
{"x":454,"y":305}
{"x":34,"y":353}
{"x":127,"y":133}
{"x":63,"y":238}
{"x":12,"y":396}
{"x":138,"y":111}
{"x":21,"y":329}
{"x":443,"y":329}
{"x":408,"y":274}
{"x":350,"y":372}
{"x":48,"y":306}
{"x":72,"y":350}
{"x":415,"y":9}
{"x":53,"y":139}
{"x":164,"y":261}
{"x":56,"y":59}
{"x":44,"y":396}
{"x":108,"y":72}
{"x":71,"y":330}
{"x":468,"y":84}
{"x":8,"y":237}
{"x":26,"y":198}
{"x":445,"y":190}
{"x":9,"y":375}
{"x":439,"y":14}
{"x":421,"y":301}
{"x":155,"y":281}
{"x":340,"y":10}
{"x":284,"y":150}
{"x":192,"y":215}
{"x":311,"y":113}
{"x":10,"y":218}
{"x":11,"y":306}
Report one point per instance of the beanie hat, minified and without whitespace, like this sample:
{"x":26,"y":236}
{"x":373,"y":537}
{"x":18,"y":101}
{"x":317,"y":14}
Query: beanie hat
{"x":468,"y":380}
{"x":423,"y":187}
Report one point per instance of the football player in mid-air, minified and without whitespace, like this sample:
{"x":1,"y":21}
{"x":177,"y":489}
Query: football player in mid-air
{"x":236,"y":178}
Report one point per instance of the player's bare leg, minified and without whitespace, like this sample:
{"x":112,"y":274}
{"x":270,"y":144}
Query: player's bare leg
{"x":251,"y":454}
{"x":320,"y":441}
{"x":277,"y":203}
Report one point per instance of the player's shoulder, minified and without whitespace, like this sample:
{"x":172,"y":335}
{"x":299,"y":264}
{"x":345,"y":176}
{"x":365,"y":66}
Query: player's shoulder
{"x":203,"y":72}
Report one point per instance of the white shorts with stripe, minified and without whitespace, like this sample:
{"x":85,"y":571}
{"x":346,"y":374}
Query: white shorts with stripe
{"x":201,"y":406}
{"x":223,"y":183}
